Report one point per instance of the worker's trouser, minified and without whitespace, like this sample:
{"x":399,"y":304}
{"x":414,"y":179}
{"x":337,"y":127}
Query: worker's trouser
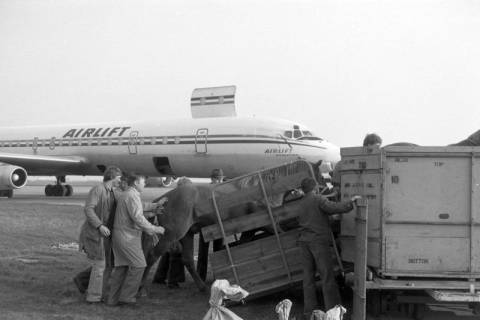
{"x":316,"y":256}
{"x":82,"y":279}
{"x":170,"y":269}
{"x":202,"y":260}
{"x":95,"y":279}
{"x":98,"y":282}
{"x":124,"y":284}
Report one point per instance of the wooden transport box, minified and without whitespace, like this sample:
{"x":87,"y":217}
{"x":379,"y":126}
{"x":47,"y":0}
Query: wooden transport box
{"x":423,"y":209}
{"x":254,"y":202}
{"x":259,"y":265}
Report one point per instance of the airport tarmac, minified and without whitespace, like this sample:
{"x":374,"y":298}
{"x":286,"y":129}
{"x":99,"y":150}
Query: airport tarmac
{"x":31,"y":196}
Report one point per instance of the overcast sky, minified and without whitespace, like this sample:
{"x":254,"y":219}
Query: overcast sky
{"x":408,"y":70}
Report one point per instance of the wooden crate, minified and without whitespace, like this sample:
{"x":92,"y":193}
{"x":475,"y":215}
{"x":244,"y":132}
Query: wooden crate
{"x":423,"y":209}
{"x":264,"y":265}
{"x":259,"y":264}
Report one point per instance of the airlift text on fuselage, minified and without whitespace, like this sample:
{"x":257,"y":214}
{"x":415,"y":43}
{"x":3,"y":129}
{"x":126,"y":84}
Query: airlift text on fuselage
{"x":95,"y":132}
{"x":279,"y":150}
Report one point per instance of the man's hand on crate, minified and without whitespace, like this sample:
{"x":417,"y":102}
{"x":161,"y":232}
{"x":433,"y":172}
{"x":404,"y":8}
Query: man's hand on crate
{"x":355,"y":198}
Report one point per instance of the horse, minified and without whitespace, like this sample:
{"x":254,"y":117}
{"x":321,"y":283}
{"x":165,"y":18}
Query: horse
{"x":187,"y":210}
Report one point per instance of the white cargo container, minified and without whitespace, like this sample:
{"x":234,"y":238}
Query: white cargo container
{"x":416,"y":228}
{"x":423,"y":209}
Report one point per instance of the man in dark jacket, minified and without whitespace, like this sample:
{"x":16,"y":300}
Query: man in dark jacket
{"x":94,"y":236}
{"x":314,"y":242}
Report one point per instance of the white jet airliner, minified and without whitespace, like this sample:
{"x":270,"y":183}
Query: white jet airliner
{"x":215,"y":138}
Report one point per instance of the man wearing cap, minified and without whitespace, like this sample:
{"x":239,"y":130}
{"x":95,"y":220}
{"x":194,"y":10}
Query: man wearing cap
{"x":314,"y":242}
{"x":217,"y":176}
{"x":370,"y":140}
{"x":202,"y":263}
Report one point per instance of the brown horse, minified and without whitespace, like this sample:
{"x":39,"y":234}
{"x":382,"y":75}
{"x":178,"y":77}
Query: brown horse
{"x":188,"y":209}
{"x":180,"y":221}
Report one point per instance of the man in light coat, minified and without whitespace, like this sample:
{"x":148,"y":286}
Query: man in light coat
{"x":127,"y":243}
{"x":94,"y":236}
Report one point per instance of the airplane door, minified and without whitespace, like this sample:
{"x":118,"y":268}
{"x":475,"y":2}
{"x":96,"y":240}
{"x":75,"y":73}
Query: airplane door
{"x":201,"y":140}
{"x":133,"y":142}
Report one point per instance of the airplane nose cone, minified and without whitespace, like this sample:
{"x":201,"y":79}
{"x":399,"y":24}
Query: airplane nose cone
{"x":15,"y":177}
{"x":333,"y":152}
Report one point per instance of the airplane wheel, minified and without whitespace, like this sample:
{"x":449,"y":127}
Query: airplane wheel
{"x":49,"y":190}
{"x":60,"y":190}
{"x":9,"y":193}
{"x":167,"y":181}
{"x":69,"y":190}
{"x":56,"y":190}
{"x":475,"y":306}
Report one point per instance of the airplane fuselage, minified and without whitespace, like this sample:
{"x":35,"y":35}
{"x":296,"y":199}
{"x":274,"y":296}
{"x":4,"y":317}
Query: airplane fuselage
{"x":169,"y":147}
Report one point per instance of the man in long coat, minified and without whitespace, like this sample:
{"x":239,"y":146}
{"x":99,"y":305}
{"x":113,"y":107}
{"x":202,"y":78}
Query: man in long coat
{"x":127,"y":243}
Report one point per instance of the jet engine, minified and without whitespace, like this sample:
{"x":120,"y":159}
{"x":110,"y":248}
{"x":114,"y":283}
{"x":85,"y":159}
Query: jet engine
{"x":12,"y":177}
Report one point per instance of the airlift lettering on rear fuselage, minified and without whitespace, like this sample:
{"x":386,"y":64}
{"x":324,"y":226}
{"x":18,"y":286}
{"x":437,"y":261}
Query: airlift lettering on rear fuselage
{"x":279,"y":150}
{"x":95,"y":132}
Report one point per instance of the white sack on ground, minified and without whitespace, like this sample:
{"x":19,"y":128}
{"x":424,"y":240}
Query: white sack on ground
{"x":283,"y":309}
{"x":336,"y":313}
{"x":222,"y":289}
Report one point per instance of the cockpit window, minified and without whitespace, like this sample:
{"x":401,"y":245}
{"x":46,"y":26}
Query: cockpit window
{"x":299,"y":134}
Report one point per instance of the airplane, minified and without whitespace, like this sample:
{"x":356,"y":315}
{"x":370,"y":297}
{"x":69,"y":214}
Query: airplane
{"x":214,"y":138}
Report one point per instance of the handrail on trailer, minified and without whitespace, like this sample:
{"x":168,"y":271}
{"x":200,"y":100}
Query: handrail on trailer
{"x":360,"y":267}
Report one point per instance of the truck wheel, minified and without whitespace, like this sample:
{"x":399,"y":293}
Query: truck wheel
{"x":374,"y":303}
{"x":419,"y":311}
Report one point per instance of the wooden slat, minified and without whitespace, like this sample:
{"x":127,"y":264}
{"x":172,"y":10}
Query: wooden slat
{"x":252,"y":221}
{"x":454,"y":296}
{"x":272,"y":276}
{"x":275,"y":275}
{"x":262,"y":264}
{"x":254,"y":249}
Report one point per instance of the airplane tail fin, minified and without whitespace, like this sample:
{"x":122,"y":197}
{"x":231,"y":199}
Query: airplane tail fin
{"x":213,"y":102}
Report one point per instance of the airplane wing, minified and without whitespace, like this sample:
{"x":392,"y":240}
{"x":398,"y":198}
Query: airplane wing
{"x":44,"y":165}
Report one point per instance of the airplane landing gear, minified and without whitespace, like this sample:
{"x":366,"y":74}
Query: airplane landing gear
{"x":6,"y":193}
{"x":167,"y":181}
{"x":59,"y":189}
